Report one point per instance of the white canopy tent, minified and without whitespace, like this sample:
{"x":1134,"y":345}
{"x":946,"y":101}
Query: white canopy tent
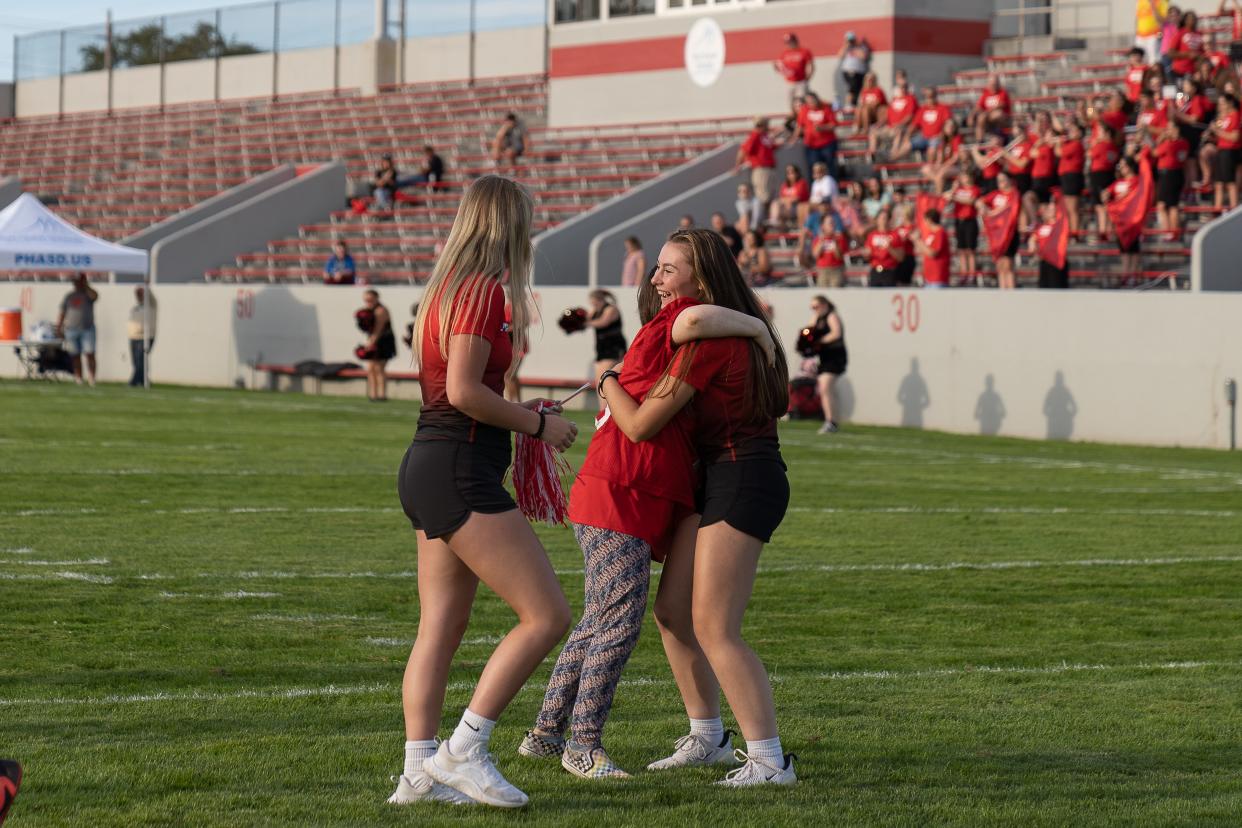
{"x":33,"y":238}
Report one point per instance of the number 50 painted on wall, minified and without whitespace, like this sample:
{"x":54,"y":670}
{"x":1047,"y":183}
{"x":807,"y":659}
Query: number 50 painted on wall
{"x":906,"y":312}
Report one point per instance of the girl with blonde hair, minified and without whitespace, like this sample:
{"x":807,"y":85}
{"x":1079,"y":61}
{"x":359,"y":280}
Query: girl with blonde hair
{"x":450,"y":484}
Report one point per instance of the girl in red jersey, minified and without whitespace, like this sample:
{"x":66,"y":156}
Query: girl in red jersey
{"x":1103,"y":156}
{"x":994,"y":205}
{"x":623,"y":505}
{"x":710,"y":573}
{"x":1071,"y":160}
{"x":450,"y":484}
{"x":944,"y":159}
{"x":963,"y":196}
{"x":886,"y":249}
{"x":932,"y":243}
{"x":1227,"y":128}
{"x":1127,"y":180}
{"x":1171,"y":153}
{"x":992,"y":112}
{"x":872,"y":104}
{"x":1192,"y":114}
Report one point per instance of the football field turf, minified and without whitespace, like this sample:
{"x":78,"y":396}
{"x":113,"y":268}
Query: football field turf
{"x":207,"y":598}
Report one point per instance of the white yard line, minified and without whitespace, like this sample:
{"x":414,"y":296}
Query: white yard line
{"x":1050,"y":670}
{"x":79,"y":562}
{"x":226,"y":596}
{"x":58,"y":576}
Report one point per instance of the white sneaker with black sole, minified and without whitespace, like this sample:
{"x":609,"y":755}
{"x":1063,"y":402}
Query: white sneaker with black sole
{"x":696,"y":750}
{"x":757,"y":772}
{"x":420,"y":787}
{"x":474,"y":773}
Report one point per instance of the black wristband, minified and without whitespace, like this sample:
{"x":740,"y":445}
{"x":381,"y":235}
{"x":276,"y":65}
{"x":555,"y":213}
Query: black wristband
{"x":543,"y":421}
{"x":599,"y":389}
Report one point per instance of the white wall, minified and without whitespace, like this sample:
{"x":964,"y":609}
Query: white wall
{"x":497,"y":53}
{"x":1139,"y":368}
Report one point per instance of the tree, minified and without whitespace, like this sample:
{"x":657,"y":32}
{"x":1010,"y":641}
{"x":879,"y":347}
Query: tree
{"x":141,"y":47}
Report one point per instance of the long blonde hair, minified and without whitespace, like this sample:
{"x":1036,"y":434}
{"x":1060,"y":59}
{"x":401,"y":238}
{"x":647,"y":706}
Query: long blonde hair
{"x":491,"y":235}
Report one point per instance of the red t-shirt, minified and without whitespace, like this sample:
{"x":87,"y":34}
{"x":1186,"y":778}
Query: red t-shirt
{"x":719,"y":374}
{"x":799,"y":191}
{"x":1172,"y":155}
{"x":964,"y":199}
{"x":1115,"y":119}
{"x":1229,"y":123}
{"x":1043,"y":161}
{"x":936,"y":266}
{"x":872,"y":97}
{"x":759,"y":149}
{"x":811,"y":120}
{"x":1103,"y":155}
{"x":832,"y":250}
{"x":991,"y":170}
{"x":1122,"y":186}
{"x":1073,"y":158}
{"x":794,"y":63}
{"x":1134,"y":82}
{"x":995,"y":100}
{"x":484,"y":318}
{"x":902,"y":109}
{"x":1042,"y":232}
{"x":1022,"y":152}
{"x":932,"y":120}
{"x":1199,"y":109}
{"x":1186,"y":41}
{"x":1155,"y":118}
{"x":881,"y":246}
{"x":904,"y":232}
{"x":999,"y":200}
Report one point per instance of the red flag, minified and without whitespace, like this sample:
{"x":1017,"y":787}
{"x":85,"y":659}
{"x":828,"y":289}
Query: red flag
{"x":1054,"y":247}
{"x":1129,"y":212}
{"x":922,"y":203}
{"x":1000,"y":226}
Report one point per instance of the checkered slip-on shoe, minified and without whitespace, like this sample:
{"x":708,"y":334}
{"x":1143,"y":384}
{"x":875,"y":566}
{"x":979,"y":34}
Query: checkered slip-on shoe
{"x":590,"y":764}
{"x":538,"y":745}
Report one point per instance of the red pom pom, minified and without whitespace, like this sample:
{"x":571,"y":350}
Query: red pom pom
{"x":538,"y":470}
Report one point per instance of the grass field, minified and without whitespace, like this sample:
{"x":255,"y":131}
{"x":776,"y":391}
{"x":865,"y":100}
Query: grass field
{"x":207,"y":597}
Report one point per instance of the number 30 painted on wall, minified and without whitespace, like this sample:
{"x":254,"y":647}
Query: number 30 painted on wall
{"x":244,"y":304}
{"x":906,"y":313}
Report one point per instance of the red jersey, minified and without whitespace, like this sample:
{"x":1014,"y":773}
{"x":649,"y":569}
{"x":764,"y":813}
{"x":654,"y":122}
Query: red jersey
{"x":872,"y":97}
{"x":1228,"y":123}
{"x":799,"y":191}
{"x":1199,"y":109}
{"x":902,"y":109}
{"x":999,"y":199}
{"x":1103,"y":155}
{"x":1134,"y":82}
{"x":1043,"y":161}
{"x":964,"y":199}
{"x":1186,"y":41}
{"x":832,"y":250}
{"x":904,"y":232}
{"x":794,"y":64}
{"x":1122,"y":186}
{"x":881,"y":246}
{"x":1022,"y":152}
{"x":990,"y":171}
{"x":1073,"y":158}
{"x":1115,"y":119}
{"x":759,"y":149}
{"x":936,"y":266}
{"x":995,"y":100}
{"x":1172,"y":155}
{"x":932,"y":120}
{"x":484,"y":318}
{"x":1155,"y":118}
{"x":1042,"y":232}
{"x":817,"y":126}
{"x":718,"y":374}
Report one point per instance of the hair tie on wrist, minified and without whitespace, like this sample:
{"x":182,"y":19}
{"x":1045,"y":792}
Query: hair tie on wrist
{"x":543,"y":421}
{"x":599,"y":389}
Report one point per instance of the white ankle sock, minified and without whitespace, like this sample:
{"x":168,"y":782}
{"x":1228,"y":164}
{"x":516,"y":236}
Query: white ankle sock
{"x":767,"y":751}
{"x":472,"y":730}
{"x":415,"y":752}
{"x":708,"y":727}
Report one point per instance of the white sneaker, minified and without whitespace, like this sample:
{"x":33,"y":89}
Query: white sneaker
{"x":422,"y":788}
{"x":695,"y":749}
{"x":757,"y":772}
{"x":475,"y":775}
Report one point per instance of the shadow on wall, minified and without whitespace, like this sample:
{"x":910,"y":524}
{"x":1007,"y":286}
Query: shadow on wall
{"x":990,"y":408}
{"x":271,"y":325}
{"x":844,"y":399}
{"x":1060,"y":409}
{"x":913,"y":396}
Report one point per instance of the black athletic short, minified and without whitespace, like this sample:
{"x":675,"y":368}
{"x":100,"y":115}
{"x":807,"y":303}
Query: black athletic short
{"x":1193,"y":135}
{"x":386,"y":347}
{"x":1072,"y":184}
{"x":1135,"y":246}
{"x":1021,"y":181}
{"x":442,"y":481}
{"x":1042,"y":187}
{"x":1169,"y":187}
{"x":1014,"y":243}
{"x":1225,"y":166}
{"x":749,"y":495}
{"x":833,"y":361}
{"x":612,"y":348}
{"x":1099,"y":182}
{"x":905,"y":271}
{"x":882,"y":277}
{"x":967,"y":232}
{"x":1051,"y":276}
{"x":987,"y":185}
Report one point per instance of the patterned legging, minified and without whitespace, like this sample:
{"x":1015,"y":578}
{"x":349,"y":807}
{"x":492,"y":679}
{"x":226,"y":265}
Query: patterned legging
{"x":585,"y":678}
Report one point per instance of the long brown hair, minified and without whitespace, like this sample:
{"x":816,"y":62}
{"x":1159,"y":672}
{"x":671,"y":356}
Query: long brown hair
{"x":720,"y":282}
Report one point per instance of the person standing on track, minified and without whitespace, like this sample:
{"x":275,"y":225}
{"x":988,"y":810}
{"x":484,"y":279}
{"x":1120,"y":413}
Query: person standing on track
{"x":605,"y":320}
{"x":624,"y":503}
{"x":738,"y":393}
{"x":828,"y":341}
{"x":381,"y":346}
{"x":451,"y":488}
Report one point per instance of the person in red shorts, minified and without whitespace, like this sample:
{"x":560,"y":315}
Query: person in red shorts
{"x":737,"y":393}
{"x":797,"y":66}
{"x":623,"y":505}
{"x":992,"y":112}
{"x":451,"y":485}
{"x":932,"y":243}
{"x":963,"y":196}
{"x":1172,"y":153}
{"x":758,"y":153}
{"x":885,"y":249}
{"x":1071,"y":161}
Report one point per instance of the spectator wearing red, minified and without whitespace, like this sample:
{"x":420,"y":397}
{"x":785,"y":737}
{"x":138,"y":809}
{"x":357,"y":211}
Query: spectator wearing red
{"x":1001,"y":207}
{"x":829,"y":251}
{"x":886,"y":250}
{"x":902,"y":109}
{"x":1188,"y":47}
{"x":932,"y":243}
{"x":1136,"y":74}
{"x":1071,"y":163}
{"x":930,"y":121}
{"x":1192,"y":112}
{"x":989,"y":161}
{"x":903,"y":221}
{"x":1153,"y":115}
{"x":1172,"y":152}
{"x":1043,"y":160}
{"x":794,"y":193}
{"x":993,"y":110}
{"x":1018,"y":159}
{"x":872,"y":107}
{"x":1102,"y":171}
{"x":797,"y":65}
{"x":1047,"y":242}
{"x":945,"y":159}
{"x":963,"y":196}
{"x":1115,"y":115}
{"x":1227,"y":129}
{"x":758,"y":154}
{"x":817,"y":129}
{"x":1126,"y":181}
